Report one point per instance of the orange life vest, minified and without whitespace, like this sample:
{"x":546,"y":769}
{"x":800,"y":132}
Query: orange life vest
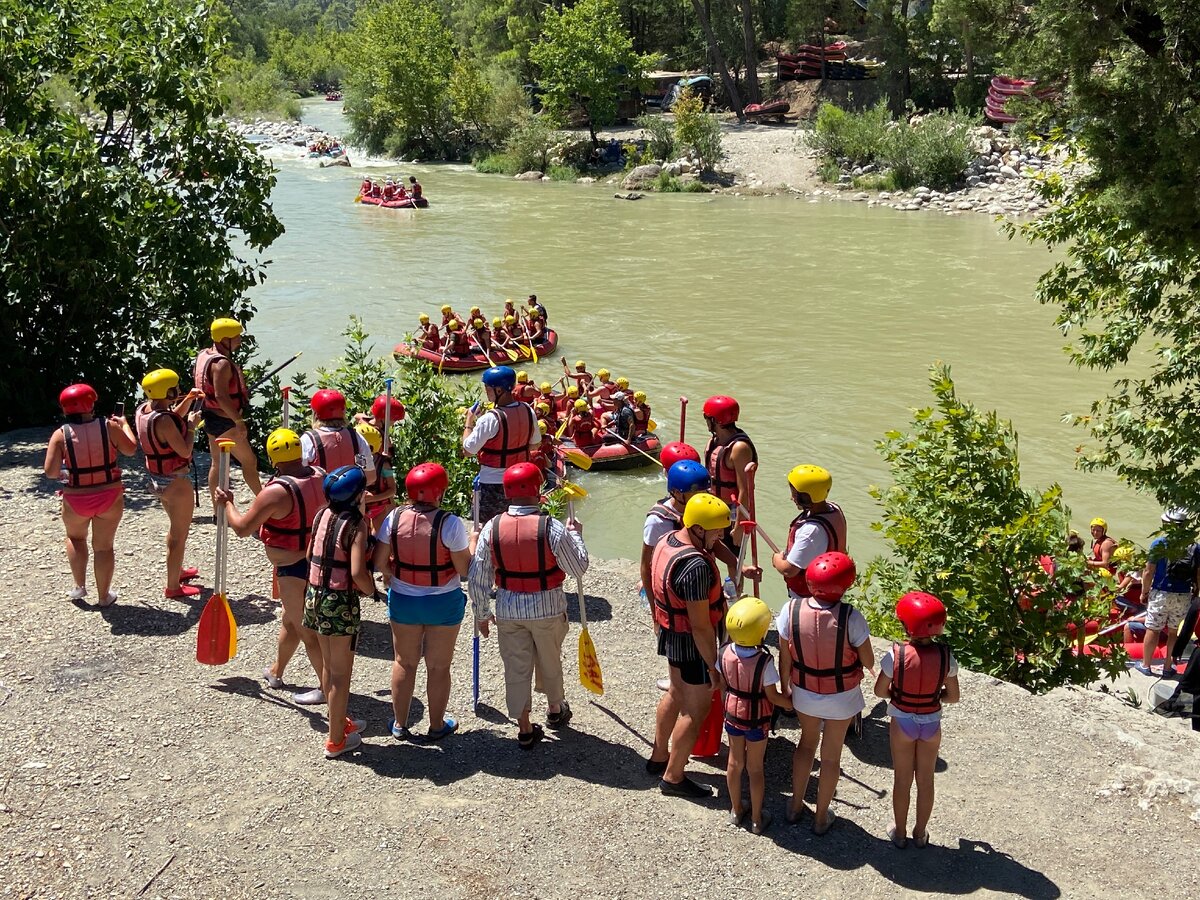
{"x":527,"y":392}
{"x":718,"y":461}
{"x":833,"y":523}
{"x":417,"y":190}
{"x":918,"y":674}
{"x":510,"y":444}
{"x":666,"y":513}
{"x":746,"y":703}
{"x":329,"y":563}
{"x":91,"y":457}
{"x":418,"y":555}
{"x":670,"y":610}
{"x":823,"y":660}
{"x":334,"y":447}
{"x":160,"y":458}
{"x":308,"y":498}
{"x":1096,"y":547}
{"x":521,"y":554}
{"x":202,"y":378}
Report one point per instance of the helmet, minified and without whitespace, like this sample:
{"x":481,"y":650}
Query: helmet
{"x":510,"y":320}
{"x":522,"y":480}
{"x":1176,"y":515}
{"x":675,"y":451}
{"x":344,"y":485}
{"x":603,"y":374}
{"x":452,"y":324}
{"x":159,"y":383}
{"x":283,"y":445}
{"x":573,"y":391}
{"x":478,"y":323}
{"x":497,"y":322}
{"x":426,"y":483}
{"x":474,"y":309}
{"x":830,"y":575}
{"x":811,"y":480}
{"x":77,"y":399}
{"x":581,"y":405}
{"x":328,"y":404}
{"x":542,"y":407}
{"x":722,"y":410}
{"x":686,"y":476}
{"x":224,"y":329}
{"x":445,"y":308}
{"x":423,"y":318}
{"x":500,"y":377}
{"x":622,"y":383}
{"x":709,"y":512}
{"x":580,"y":364}
{"x":1097,"y":521}
{"x":380,"y":405}
{"x":639,"y":396}
{"x":544,"y":387}
{"x":922,"y":615}
{"x":748,"y":622}
{"x":371,"y":435}
{"x":522,"y":377}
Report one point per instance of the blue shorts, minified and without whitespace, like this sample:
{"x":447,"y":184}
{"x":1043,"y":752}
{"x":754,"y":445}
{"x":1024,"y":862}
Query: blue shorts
{"x":431,"y":609}
{"x":753,"y":735}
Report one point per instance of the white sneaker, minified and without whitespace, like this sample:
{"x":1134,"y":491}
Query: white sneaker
{"x":315,"y":697}
{"x":272,"y":680}
{"x":357,"y":726}
{"x":77,"y":593}
{"x":352,"y":741}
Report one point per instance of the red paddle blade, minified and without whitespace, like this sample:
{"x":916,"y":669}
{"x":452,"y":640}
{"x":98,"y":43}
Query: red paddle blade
{"x":213,"y":637}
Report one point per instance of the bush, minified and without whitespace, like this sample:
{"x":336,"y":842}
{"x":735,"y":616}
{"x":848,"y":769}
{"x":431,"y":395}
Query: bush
{"x":529,"y":143}
{"x":829,"y":171}
{"x":562,"y":173}
{"x":660,"y":134}
{"x":257,"y":89}
{"x":497,"y":164}
{"x":935,"y":151}
{"x":858,"y":137}
{"x":666,"y":183}
{"x":697,"y":130}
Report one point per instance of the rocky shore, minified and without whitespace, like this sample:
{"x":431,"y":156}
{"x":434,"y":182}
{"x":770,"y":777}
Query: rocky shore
{"x":286,"y":140}
{"x":129,"y":770}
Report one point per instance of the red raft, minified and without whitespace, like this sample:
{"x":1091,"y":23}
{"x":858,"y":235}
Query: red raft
{"x":616,"y":456}
{"x":772,"y":109}
{"x":474,"y":362}
{"x":406,"y":203}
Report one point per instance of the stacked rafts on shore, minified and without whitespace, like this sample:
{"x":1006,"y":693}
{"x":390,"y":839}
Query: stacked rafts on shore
{"x":1003,"y":89}
{"x":830,"y":61}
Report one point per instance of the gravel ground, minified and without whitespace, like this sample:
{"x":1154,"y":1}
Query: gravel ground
{"x":129,"y":770}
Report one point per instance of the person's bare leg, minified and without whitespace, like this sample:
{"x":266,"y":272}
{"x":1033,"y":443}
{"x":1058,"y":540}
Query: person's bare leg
{"x":1149,"y":645}
{"x":903,"y":756}
{"x":245,"y":455}
{"x":291,"y":628}
{"x":406,"y":650}
{"x":695,"y":701}
{"x":802,"y":762}
{"x":756,"y":752}
{"x":926,"y":762}
{"x":831,"y":767}
{"x":733,"y":774}
{"x":180,"y":504}
{"x":665,"y":718}
{"x":439,"y":654}
{"x":104,"y":531}
{"x":77,"y":545}
{"x":337,"y":659}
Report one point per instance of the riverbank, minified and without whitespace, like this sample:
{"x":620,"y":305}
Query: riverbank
{"x":130,"y":769}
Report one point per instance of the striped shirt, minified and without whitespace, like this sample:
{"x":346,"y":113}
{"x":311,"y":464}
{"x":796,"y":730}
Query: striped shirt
{"x":692,"y":580}
{"x":569,"y":551}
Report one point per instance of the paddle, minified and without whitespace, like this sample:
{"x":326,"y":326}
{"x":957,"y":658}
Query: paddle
{"x":513,"y":355}
{"x":759,"y":529}
{"x":577,"y":457}
{"x":286,"y":420}
{"x":216,"y":636}
{"x":475,"y":637}
{"x":1114,"y":627}
{"x":751,"y":469}
{"x":561,"y":428}
{"x":590,"y":675}
{"x":486,"y":355}
{"x":445,"y":347}
{"x":682,"y":415}
{"x":572,"y":491}
{"x":275,"y":371}
{"x":387,"y":418}
{"x":648,"y":456}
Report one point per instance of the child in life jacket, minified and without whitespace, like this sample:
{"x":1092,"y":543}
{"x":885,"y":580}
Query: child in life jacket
{"x":751,"y":688}
{"x":916,"y":677}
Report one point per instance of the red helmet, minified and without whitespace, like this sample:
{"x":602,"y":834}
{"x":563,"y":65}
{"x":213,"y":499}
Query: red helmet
{"x":328,"y":405}
{"x":922,"y":615}
{"x":722,"y":410}
{"x":522,"y":480}
{"x":77,"y":399}
{"x":830,"y":575}
{"x":380,"y":404}
{"x":426,"y":483}
{"x":676,"y":451}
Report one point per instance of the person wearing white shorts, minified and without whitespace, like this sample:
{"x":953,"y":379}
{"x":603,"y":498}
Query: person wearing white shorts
{"x":1169,"y":585}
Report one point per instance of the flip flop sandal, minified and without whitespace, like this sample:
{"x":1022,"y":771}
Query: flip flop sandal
{"x":526,"y":739}
{"x":449,"y":726}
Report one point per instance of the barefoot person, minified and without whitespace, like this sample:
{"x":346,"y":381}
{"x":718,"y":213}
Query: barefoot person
{"x":527,"y":555}
{"x":337,"y":577}
{"x":283,"y":513}
{"x":501,"y":437}
{"x":83,"y":453}
{"x":916,"y":677}
{"x":166,"y":431}
{"x":226,"y":401}
{"x":824,"y":645}
{"x":424,"y":550}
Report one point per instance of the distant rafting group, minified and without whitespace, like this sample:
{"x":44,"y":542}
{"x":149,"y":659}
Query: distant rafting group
{"x":391,"y":193}
{"x":465,"y":343}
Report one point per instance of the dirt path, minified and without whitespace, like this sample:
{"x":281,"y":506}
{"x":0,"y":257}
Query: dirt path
{"x":128,"y":770}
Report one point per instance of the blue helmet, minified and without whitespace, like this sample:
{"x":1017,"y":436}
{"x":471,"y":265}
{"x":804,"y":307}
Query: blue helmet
{"x":344,"y":486}
{"x":686,"y":476}
{"x":500,"y":377}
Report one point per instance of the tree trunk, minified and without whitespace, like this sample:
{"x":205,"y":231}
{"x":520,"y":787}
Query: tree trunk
{"x":719,"y":59}
{"x":751,"y":44}
{"x":968,"y":52}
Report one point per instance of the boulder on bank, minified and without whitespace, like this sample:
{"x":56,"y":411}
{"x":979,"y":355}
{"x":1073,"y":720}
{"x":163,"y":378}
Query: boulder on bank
{"x":532,"y":175}
{"x":641,"y":176}
{"x":628,"y":195}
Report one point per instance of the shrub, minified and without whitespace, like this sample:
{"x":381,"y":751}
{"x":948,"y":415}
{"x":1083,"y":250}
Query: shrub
{"x":257,"y":89}
{"x":694,"y":186}
{"x":660,"y":134}
{"x":935,"y":151}
{"x":856,"y":136}
{"x":529,"y":143}
{"x":497,"y":164}
{"x":697,"y":130}
{"x":829,"y":170}
{"x":562,"y":173}
{"x":667,"y":183}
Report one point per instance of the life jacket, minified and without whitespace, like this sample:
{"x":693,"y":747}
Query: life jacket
{"x":510,"y":444}
{"x":720,"y":468}
{"x":431,"y":339}
{"x":160,"y":458}
{"x":418,"y":555}
{"x":833,"y":523}
{"x":521,"y":554}
{"x":641,"y":417}
{"x":1096,"y":545}
{"x":460,"y":345}
{"x":91,"y":457}
{"x":605,"y":390}
{"x":918,"y":673}
{"x":543,"y":457}
{"x":527,"y":392}
{"x":293,"y":530}
{"x":202,"y":377}
{"x":666,"y":513}
{"x":583,"y":429}
{"x":823,"y":660}
{"x":334,"y":447}
{"x":416,"y":190}
{"x":388,"y":192}
{"x":329,"y":563}
{"x":746,"y":703}
{"x":670,"y":610}
{"x":401,"y":193}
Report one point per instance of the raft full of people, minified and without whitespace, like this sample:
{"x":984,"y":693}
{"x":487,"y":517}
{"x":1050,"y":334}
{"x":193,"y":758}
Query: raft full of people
{"x":392,"y":194}
{"x":465,"y":343}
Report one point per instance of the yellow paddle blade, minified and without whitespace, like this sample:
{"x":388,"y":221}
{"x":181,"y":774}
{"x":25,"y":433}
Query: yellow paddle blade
{"x":561,"y":428}
{"x":358,"y":199}
{"x":652,"y":425}
{"x":512,"y":354}
{"x":577,"y":458}
{"x":232,"y":629}
{"x":590,"y":675}
{"x":533,"y":353}
{"x":573,"y":491}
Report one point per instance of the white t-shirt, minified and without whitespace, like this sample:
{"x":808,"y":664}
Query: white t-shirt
{"x":886,"y":665}
{"x":362,"y":452}
{"x":811,"y":541}
{"x":487,"y":426}
{"x":827,"y":706}
{"x":770,"y":672}
{"x":454,"y":536}
{"x":656,"y":528}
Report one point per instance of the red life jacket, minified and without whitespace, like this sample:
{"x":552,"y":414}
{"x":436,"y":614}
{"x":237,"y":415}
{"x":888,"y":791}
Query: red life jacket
{"x":459,"y":345}
{"x":823,"y":660}
{"x":160,"y":458}
{"x":418,"y":555}
{"x":416,"y":190}
{"x":334,"y":447}
{"x":329,"y":562}
{"x":308,"y":498}
{"x":91,"y":457}
{"x":641,"y":417}
{"x":918,"y":674}
{"x":510,"y":444}
{"x":583,"y":430}
{"x":521,"y":554}
{"x":746,"y":703}
{"x":666,"y":513}
{"x":527,"y":392}
{"x":833,"y":523}
{"x":388,"y":192}
{"x":1096,"y":545}
{"x":202,"y":377}
{"x":720,"y":468}
{"x":670,"y":610}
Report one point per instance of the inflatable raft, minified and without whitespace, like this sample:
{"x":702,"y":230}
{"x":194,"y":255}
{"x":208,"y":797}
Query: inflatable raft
{"x":616,"y":456}
{"x":474,"y":362}
{"x":406,"y":203}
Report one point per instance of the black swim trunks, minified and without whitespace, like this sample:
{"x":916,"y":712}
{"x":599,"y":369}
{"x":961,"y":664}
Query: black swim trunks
{"x":216,"y":424}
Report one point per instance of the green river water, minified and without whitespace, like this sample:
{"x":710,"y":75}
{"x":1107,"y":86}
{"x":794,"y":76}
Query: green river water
{"x":820,"y":318}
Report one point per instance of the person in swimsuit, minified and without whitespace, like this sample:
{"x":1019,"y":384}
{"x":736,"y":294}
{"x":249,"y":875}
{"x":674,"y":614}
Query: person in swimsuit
{"x":226,"y":402}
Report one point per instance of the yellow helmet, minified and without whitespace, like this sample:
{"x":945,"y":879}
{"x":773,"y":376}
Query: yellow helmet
{"x":283,"y":445}
{"x":1098,"y":521}
{"x":371,"y":435}
{"x":224,"y":329}
{"x":622,"y":383}
{"x":748,"y":622}
{"x":158,"y":383}
{"x":639,"y":396}
{"x":580,"y":364}
{"x":603,"y":374}
{"x":452,"y":324}
{"x":510,"y":320}
{"x":573,"y":391}
{"x":497,"y":322}
{"x":423,"y":318}
{"x":544,"y":387}
{"x":543,"y":407}
{"x":709,"y":512}
{"x":580,"y":405}
{"x":542,"y":426}
{"x":478,"y":323}
{"x":811,"y":480}
{"x":522,"y":377}
{"x":475,"y":309}
{"x":445,"y":308}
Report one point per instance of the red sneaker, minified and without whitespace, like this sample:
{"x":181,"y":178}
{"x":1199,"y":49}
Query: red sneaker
{"x":188,"y":573}
{"x":184,"y":590}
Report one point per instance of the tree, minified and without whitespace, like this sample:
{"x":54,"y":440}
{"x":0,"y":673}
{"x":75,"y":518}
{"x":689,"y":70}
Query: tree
{"x":750,"y":40}
{"x":586,"y":60}
{"x":718,"y":58}
{"x":125,"y":232}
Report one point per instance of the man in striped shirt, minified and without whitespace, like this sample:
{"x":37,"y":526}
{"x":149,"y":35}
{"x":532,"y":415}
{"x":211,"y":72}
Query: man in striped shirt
{"x":527,"y":555}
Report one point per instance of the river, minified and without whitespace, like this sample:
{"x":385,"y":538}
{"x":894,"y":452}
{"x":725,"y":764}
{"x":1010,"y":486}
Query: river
{"x":822,"y":319}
